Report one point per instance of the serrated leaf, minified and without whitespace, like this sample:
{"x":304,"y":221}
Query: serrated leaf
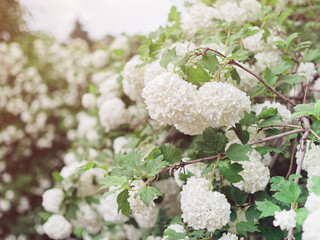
{"x":243,"y":135}
{"x":123,"y":204}
{"x":174,"y":15}
{"x":209,"y":61}
{"x":170,"y":154}
{"x":270,"y":121}
{"x":311,"y":55}
{"x":133,"y":159}
{"x":238,"y":152}
{"x":154,"y":165}
{"x":244,"y":227}
{"x":280,"y":68}
{"x":235,"y":75}
{"x":249,"y":118}
{"x":267,"y":112}
{"x":237,"y":196}
{"x":291,"y":37}
{"x":293,"y":79}
{"x":198,"y":74}
{"x":212,"y":142}
{"x":252,"y":213}
{"x":288,"y":192}
{"x":303,"y":110}
{"x":111,"y":181}
{"x":71,"y":212}
{"x":231,"y":171}
{"x":267,"y":208}
{"x":316,"y":185}
{"x":301,"y":215}
{"x":168,"y":57}
{"x":148,"y":194}
{"x":265,"y":149}
{"x":269,"y":76}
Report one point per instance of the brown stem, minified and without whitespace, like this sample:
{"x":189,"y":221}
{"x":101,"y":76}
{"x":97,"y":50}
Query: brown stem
{"x":315,"y":134}
{"x":292,"y":157}
{"x":313,"y":13}
{"x":277,"y":136}
{"x":232,"y":62}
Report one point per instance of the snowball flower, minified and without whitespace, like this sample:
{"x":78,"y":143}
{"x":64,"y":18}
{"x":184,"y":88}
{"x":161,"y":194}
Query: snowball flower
{"x":51,"y":200}
{"x":222,"y":104}
{"x":313,"y":202}
{"x":196,"y":169}
{"x":228,"y":236}
{"x":86,"y":185}
{"x":112,"y":113}
{"x":311,"y":162}
{"x":170,"y":99}
{"x":255,"y":175}
{"x":255,"y":42}
{"x":202,"y":208}
{"x":152,"y":70}
{"x":100,"y":58}
{"x":266,"y":59}
{"x":133,"y":78}
{"x":311,"y":226}
{"x":285,"y":219}
{"x":308,"y":70}
{"x":57,"y":227}
{"x":282,"y":110}
{"x":88,"y":100}
{"x":149,"y":220}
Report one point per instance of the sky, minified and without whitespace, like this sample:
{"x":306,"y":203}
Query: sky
{"x":99,"y":17}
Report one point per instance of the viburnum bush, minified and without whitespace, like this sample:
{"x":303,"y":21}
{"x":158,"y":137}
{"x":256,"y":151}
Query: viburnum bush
{"x":210,"y":130}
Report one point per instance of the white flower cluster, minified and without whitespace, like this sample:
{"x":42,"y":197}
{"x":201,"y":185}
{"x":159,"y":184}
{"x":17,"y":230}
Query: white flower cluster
{"x":282,"y":110}
{"x":285,"y":219}
{"x":171,"y":100}
{"x":311,"y":162}
{"x":202,"y":208}
{"x":255,"y":174}
{"x":51,"y":200}
{"x":57,"y":227}
{"x":228,"y":236}
{"x":311,"y":225}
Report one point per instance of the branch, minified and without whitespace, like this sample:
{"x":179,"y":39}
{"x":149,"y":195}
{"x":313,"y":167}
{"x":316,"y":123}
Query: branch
{"x":232,"y":62}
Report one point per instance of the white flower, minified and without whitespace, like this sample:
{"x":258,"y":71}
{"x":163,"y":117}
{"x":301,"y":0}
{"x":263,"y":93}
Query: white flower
{"x":282,"y":110}
{"x":252,"y":7}
{"x":316,"y":86}
{"x":86,"y":127}
{"x":247,"y":80}
{"x":255,"y":175}
{"x":170,"y":99}
{"x":121,"y":42}
{"x":133,"y":79}
{"x":308,"y":70}
{"x":87,"y":184}
{"x":131,"y":232}
{"x":112,"y":113}
{"x":196,"y":169}
{"x":228,"y":236}
{"x":51,"y":200}
{"x":222,"y":104}
{"x":152,"y":70}
{"x":266,"y":59}
{"x":100,"y":58}
{"x":230,"y":11}
{"x":118,"y":144}
{"x":199,"y":16}
{"x":69,"y":158}
{"x":108,"y":88}
{"x":149,"y":220}
{"x":285,"y":219}
{"x":108,"y":208}
{"x":88,"y":100}
{"x":178,"y":228}
{"x":57,"y":227}
{"x":311,"y":162}
{"x":311,"y":226}
{"x":255,"y":42}
{"x":202,"y":208}
{"x":313,"y":202}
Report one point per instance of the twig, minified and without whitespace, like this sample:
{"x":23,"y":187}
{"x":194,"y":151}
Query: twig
{"x":232,"y":62}
{"x":314,"y":14}
{"x":277,"y":136}
{"x":292,"y":157}
{"x":303,"y":150}
{"x":315,"y":134}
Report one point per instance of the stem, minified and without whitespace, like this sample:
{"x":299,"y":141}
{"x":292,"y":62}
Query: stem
{"x":232,"y":62}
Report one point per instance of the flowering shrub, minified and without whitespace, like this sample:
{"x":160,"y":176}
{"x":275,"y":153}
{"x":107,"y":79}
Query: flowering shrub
{"x":210,"y":130}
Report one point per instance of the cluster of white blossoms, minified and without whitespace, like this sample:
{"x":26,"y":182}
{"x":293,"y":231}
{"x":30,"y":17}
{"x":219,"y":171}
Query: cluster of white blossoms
{"x":311,"y":225}
{"x":57,"y":227}
{"x":285,"y":219}
{"x":228,"y":236}
{"x":255,"y":174}
{"x":171,"y":100}
{"x":51,"y":200}
{"x":282,"y":110}
{"x":202,"y":208}
{"x":311,"y":162}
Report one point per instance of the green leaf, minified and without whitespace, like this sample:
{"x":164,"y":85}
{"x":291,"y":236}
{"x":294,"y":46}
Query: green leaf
{"x":265,"y":149}
{"x":93,"y":89}
{"x":293,"y":79}
{"x":148,"y":194}
{"x":316,"y":185}
{"x":243,"y":135}
{"x":111,"y":181}
{"x":198,"y":74}
{"x":237,"y":196}
{"x":57,"y":177}
{"x":78,"y":232}
{"x":230,"y":171}
{"x":238,"y":152}
{"x":170,"y":154}
{"x":168,"y":56}
{"x":267,"y":208}
{"x":209,"y":61}
{"x":249,"y":118}
{"x":252,"y":213}
{"x":281,"y":67}
{"x":311,"y":55}
{"x":270,"y":121}
{"x":268,"y":112}
{"x":123,"y":204}
{"x":174,"y":15}
{"x":303,"y":110}
{"x":212,"y":142}
{"x":289,"y":192}
{"x":154,"y":166}
{"x":291,"y":37}
{"x":244,"y":227}
{"x":301,"y":216}
{"x":173,"y":235}
{"x":134,"y":159}
{"x":234,"y":75}
{"x":269,"y":76}
{"x":71,"y":212}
